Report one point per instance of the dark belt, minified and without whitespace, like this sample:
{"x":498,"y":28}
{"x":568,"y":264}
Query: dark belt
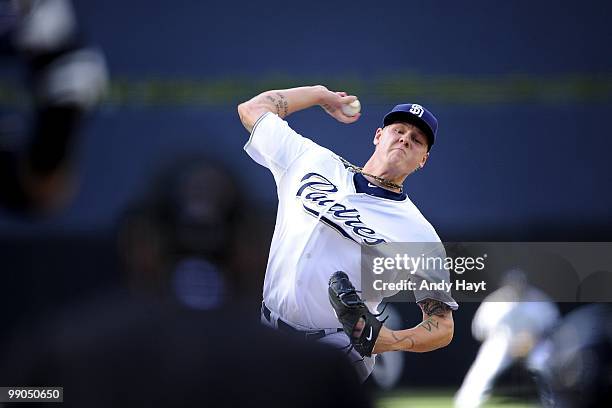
{"x":284,"y":327}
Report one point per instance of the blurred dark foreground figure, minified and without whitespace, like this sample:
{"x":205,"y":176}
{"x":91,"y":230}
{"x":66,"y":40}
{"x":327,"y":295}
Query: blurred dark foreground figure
{"x":120,"y":352}
{"x":193,"y":237}
{"x":180,"y":334}
{"x":64,"y":78}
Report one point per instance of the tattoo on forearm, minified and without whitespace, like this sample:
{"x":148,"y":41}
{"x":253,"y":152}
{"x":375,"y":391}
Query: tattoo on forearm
{"x":429,"y":324}
{"x":433,"y":307}
{"x":401,"y":340}
{"x":282,"y":106}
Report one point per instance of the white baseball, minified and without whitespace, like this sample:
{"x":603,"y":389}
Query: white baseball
{"x":351,"y":109}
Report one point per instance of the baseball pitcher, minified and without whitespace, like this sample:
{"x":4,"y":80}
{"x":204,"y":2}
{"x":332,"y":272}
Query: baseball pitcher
{"x":328,"y":208}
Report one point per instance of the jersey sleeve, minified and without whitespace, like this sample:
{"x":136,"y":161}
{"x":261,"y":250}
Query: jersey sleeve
{"x":436,"y":277}
{"x":274,"y":145}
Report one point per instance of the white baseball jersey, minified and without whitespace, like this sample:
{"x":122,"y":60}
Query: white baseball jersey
{"x":325,"y":213}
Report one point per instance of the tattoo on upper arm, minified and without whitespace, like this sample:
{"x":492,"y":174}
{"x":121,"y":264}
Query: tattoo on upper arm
{"x":432,"y":307}
{"x":429,"y":324}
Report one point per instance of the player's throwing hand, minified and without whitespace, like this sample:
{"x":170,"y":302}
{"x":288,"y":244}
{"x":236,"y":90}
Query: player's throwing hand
{"x":332,"y":103}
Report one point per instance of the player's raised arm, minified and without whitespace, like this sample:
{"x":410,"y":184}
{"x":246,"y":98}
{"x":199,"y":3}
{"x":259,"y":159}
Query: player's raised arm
{"x":286,"y":101}
{"x":435,"y":331}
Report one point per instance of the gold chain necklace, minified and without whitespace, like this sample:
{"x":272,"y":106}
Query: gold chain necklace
{"x":383,"y":181}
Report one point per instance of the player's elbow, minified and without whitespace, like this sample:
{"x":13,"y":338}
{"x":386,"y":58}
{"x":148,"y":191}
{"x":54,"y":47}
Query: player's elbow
{"x":244,"y":112}
{"x":244,"y":108}
{"x":249,"y":112}
{"x":448,"y":332}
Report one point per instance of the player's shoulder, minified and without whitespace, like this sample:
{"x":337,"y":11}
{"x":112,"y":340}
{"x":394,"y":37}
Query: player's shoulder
{"x":270,"y":121}
{"x":316,"y":155}
{"x":425,"y":229}
{"x":312,"y":155}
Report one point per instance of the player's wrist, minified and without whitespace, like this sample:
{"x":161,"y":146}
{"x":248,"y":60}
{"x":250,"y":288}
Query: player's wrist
{"x":320,"y":93}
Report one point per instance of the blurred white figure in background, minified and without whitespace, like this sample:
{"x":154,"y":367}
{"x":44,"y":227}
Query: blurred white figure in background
{"x":509,"y":323}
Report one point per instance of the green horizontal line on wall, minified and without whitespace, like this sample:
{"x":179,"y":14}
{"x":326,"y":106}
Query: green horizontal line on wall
{"x":447,"y":89}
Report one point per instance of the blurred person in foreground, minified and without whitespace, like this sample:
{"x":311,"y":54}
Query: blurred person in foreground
{"x":180,"y":336}
{"x":178,"y":241}
{"x":139,"y":352}
{"x":65,"y":79}
{"x":510,"y":322}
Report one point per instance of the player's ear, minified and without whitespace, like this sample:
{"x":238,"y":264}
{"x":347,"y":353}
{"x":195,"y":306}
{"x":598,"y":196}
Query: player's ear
{"x":377,"y":136}
{"x":424,"y":160}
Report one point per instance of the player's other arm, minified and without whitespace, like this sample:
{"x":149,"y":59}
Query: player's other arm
{"x":287,"y":101}
{"x":434,"y":332}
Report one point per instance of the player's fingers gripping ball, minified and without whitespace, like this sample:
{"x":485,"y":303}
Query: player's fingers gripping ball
{"x":359,"y":324}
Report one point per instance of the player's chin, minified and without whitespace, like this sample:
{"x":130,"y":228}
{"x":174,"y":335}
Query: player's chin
{"x":399,"y":160}
{"x":397,"y":155}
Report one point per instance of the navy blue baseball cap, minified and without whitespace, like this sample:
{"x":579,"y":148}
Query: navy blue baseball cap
{"x":417,"y":115}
